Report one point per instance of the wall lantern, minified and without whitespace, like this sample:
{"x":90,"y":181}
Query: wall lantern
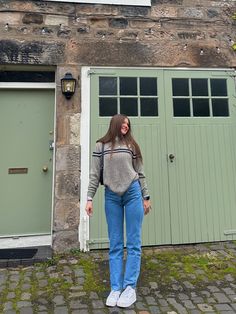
{"x":68,"y":84}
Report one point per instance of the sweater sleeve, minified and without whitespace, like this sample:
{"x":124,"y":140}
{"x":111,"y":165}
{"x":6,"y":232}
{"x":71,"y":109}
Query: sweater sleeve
{"x":94,"y":175}
{"x":138,"y":167}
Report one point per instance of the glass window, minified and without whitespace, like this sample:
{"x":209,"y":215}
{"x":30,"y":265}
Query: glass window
{"x":149,"y":107}
{"x":129,"y":106}
{"x":181,"y":107}
{"x":128,"y":86}
{"x":180,"y":87}
{"x":218,"y":87}
{"x":148,"y":86}
{"x":107,"y":106}
{"x":107,"y":85}
{"x":199,"y":87}
{"x":27,"y":76}
{"x":201,"y":107}
{"x":220,"y":107}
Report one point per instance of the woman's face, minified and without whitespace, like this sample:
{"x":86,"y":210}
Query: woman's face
{"x":125,"y":127}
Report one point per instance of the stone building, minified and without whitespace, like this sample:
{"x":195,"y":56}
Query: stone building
{"x":168,"y":64}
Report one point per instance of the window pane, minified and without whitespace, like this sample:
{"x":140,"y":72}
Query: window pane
{"x":128,"y":86}
{"x":107,"y":85}
{"x":180,"y":87}
{"x":218,"y":87}
{"x":129,"y":106}
{"x":181,"y":107}
{"x":148,"y":86}
{"x":199,"y":87}
{"x":107,"y":107}
{"x":201,"y":107}
{"x":27,"y":76}
{"x":149,"y":107}
{"x":220,"y":107}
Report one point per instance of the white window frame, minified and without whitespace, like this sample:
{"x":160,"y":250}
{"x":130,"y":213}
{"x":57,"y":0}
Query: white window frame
{"x":112,"y":2}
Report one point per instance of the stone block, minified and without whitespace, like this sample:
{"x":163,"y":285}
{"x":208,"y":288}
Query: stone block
{"x":118,"y":23}
{"x":141,"y":24}
{"x":75,"y":129}
{"x":32,"y":18}
{"x":68,"y":158}
{"x":62,"y":130}
{"x":91,"y":9}
{"x":67,"y":185}
{"x":65,"y":240}
{"x":134,"y":11}
{"x":192,"y":13}
{"x":99,"y":22}
{"x":12,"y":18}
{"x":31,"y":52}
{"x":56,"y":20}
{"x":159,"y":11}
{"x":66,"y":215}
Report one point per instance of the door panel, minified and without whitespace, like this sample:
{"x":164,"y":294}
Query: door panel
{"x":26,"y":127}
{"x":151,"y":136}
{"x":202,"y":175}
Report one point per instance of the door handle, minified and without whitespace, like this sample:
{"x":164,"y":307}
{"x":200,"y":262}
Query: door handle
{"x":171,"y":157}
{"x":45,"y":169}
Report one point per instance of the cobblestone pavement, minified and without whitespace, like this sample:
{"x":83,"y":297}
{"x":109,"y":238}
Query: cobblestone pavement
{"x":181,"y":279}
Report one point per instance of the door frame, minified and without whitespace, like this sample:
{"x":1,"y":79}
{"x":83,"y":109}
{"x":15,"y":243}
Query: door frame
{"x":36,"y":240}
{"x":86,"y":72}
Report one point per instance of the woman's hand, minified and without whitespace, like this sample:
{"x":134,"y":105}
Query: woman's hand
{"x":89,"y":208}
{"x":147,"y":206}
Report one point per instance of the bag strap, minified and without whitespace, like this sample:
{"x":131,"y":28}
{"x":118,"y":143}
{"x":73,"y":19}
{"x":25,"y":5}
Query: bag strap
{"x":102,"y":164}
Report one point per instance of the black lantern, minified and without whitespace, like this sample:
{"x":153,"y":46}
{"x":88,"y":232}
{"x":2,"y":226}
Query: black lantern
{"x":68,"y":84}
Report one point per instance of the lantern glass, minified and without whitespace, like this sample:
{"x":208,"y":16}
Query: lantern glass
{"x":68,"y":84}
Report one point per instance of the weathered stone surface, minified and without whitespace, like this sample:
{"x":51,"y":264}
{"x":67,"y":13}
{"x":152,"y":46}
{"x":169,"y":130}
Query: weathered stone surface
{"x":118,"y":23}
{"x":157,"y":11}
{"x":75,"y":129}
{"x":68,"y":158}
{"x":34,"y":52}
{"x":56,"y":20}
{"x":66,"y":215}
{"x":65,"y":240}
{"x":134,"y":11}
{"x":67,"y":185}
{"x":10,"y":18}
{"x":34,"y":18}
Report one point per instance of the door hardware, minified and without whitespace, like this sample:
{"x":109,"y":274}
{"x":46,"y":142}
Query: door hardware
{"x":171,"y":157}
{"x":51,"y":145}
{"x":45,"y":169}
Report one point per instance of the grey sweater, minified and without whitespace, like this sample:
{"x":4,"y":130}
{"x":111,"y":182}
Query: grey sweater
{"x":121,"y":168}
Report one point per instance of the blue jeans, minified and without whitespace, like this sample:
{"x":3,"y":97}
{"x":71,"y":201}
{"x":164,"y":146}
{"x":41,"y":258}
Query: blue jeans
{"x":130,"y":205}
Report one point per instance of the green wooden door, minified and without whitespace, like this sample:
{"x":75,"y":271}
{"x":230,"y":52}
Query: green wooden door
{"x":192,"y":193}
{"x":114,"y":91}
{"x":26,"y":128}
{"x":201,"y":125}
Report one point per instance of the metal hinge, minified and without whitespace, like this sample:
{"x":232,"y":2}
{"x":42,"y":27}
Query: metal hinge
{"x":90,"y":72}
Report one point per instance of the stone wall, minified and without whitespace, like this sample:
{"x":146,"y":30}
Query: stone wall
{"x":171,"y":33}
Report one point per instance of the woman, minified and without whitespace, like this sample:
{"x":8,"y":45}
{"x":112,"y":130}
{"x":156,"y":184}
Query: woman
{"x":126,"y":194}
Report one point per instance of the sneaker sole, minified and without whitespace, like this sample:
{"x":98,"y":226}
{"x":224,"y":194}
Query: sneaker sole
{"x":120,"y":304}
{"x":110,"y":304}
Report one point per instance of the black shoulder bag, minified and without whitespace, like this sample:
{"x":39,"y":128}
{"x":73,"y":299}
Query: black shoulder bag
{"x":102,"y":165}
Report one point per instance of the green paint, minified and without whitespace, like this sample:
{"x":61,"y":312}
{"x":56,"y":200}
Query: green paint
{"x":193,"y":197}
{"x":26,"y":127}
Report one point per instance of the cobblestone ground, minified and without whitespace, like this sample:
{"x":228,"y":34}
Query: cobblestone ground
{"x":183,"y":279}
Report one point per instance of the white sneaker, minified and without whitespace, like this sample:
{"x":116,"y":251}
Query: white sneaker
{"x":113,"y":298}
{"x":127,"y":297}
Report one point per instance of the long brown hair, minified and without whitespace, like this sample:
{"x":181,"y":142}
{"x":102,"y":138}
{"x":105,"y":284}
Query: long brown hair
{"x":114,"y":131}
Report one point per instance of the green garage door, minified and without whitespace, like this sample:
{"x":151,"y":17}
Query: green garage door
{"x":184,"y":122}
{"x":26,"y":165}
